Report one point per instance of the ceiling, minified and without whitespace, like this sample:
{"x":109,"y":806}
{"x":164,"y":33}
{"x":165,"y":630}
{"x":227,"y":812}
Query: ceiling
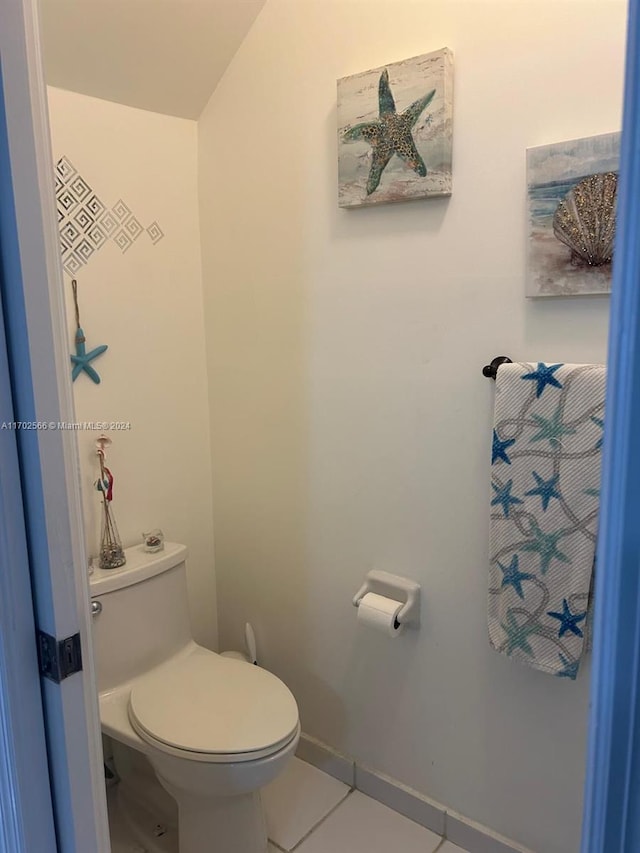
{"x":161,"y":55}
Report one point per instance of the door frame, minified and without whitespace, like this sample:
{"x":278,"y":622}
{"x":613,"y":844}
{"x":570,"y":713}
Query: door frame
{"x":611,"y":819}
{"x":41,"y":384}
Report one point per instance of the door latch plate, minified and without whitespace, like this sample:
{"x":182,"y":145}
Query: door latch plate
{"x":58,"y":659}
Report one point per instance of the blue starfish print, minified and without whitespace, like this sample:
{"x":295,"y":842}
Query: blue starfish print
{"x":518,"y":635}
{"x":593,"y":493}
{"x":82,"y":358}
{"x":599,"y":422}
{"x":546,"y":545}
{"x":568,"y":620}
{"x":512,"y":576}
{"x":552,"y":429}
{"x":391,"y":134}
{"x":546,"y":489}
{"x":499,"y":448}
{"x":544,"y":376}
{"x":503,"y":496}
{"x":570,"y":668}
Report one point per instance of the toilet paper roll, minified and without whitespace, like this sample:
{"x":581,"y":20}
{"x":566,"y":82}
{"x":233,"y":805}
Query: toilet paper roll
{"x":380,"y":613}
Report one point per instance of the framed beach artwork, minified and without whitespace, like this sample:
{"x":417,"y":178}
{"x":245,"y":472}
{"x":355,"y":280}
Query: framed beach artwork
{"x":572,"y":192}
{"x":395,"y":131}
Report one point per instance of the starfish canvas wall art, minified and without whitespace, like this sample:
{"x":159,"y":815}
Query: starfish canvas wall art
{"x":571,"y":197}
{"x":395,"y":131}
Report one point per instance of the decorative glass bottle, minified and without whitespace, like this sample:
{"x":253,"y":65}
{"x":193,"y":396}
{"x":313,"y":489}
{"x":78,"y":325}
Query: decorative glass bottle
{"x":111,"y":551}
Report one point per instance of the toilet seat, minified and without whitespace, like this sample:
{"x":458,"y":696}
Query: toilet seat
{"x":209,"y":708}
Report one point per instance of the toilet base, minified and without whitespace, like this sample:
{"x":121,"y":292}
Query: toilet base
{"x":219,"y":824}
{"x":143,"y":826}
{"x":164,"y":819}
{"x":219,"y":809}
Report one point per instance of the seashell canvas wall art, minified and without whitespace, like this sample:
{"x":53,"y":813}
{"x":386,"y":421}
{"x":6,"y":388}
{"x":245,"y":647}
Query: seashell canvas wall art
{"x":572,"y":193}
{"x":395,"y":131}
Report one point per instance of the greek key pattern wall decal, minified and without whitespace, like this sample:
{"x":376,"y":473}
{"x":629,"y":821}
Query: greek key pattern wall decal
{"x":86,"y":223}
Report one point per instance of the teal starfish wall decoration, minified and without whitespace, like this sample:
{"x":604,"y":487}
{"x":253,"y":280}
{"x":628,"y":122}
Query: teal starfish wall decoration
{"x":391,"y":134}
{"x":81,"y":361}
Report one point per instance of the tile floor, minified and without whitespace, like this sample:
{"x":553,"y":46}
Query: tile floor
{"x":311,"y":812}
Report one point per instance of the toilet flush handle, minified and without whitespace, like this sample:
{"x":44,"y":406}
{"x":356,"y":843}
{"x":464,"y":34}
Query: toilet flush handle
{"x":96,"y":607}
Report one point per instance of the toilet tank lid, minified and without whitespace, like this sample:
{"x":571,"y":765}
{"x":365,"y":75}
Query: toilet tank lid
{"x":140,"y":565}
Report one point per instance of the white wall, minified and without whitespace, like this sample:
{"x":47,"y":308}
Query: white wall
{"x":350,"y":421}
{"x":146,"y":304}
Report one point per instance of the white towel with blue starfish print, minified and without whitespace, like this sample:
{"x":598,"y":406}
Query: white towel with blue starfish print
{"x":545,"y":486}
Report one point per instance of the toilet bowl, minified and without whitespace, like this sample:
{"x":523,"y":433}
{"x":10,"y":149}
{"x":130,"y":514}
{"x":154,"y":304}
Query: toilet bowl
{"x":215,"y":730}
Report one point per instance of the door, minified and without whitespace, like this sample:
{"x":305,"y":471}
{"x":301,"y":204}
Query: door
{"x":39,"y":369}
{"x":24,"y":772}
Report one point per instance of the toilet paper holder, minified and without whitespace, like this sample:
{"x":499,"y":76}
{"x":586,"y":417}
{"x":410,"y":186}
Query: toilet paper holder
{"x":396,"y":587}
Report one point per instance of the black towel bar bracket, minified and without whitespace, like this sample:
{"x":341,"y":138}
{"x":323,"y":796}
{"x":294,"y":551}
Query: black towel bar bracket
{"x":490,"y":370}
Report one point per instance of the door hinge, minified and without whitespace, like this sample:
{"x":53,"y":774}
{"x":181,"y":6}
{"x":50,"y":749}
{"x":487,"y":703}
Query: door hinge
{"x":58,"y":659}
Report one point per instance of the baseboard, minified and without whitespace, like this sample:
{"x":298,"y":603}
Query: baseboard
{"x":438,"y":818}
{"x":477,"y":838}
{"x":324,"y":758}
{"x":401,"y":799}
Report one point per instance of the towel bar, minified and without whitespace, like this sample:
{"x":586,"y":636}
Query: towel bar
{"x":490,"y":370}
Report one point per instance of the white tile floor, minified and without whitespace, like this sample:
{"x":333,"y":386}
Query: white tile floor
{"x":311,"y":812}
{"x":298,"y":800}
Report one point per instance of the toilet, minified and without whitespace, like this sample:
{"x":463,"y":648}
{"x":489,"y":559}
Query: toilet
{"x":214,"y":729}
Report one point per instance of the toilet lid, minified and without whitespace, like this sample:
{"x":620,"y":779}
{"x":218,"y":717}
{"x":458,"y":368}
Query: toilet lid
{"x":209,"y":704}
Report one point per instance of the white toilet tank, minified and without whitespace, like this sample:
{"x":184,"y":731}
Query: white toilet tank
{"x":141,"y":617}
